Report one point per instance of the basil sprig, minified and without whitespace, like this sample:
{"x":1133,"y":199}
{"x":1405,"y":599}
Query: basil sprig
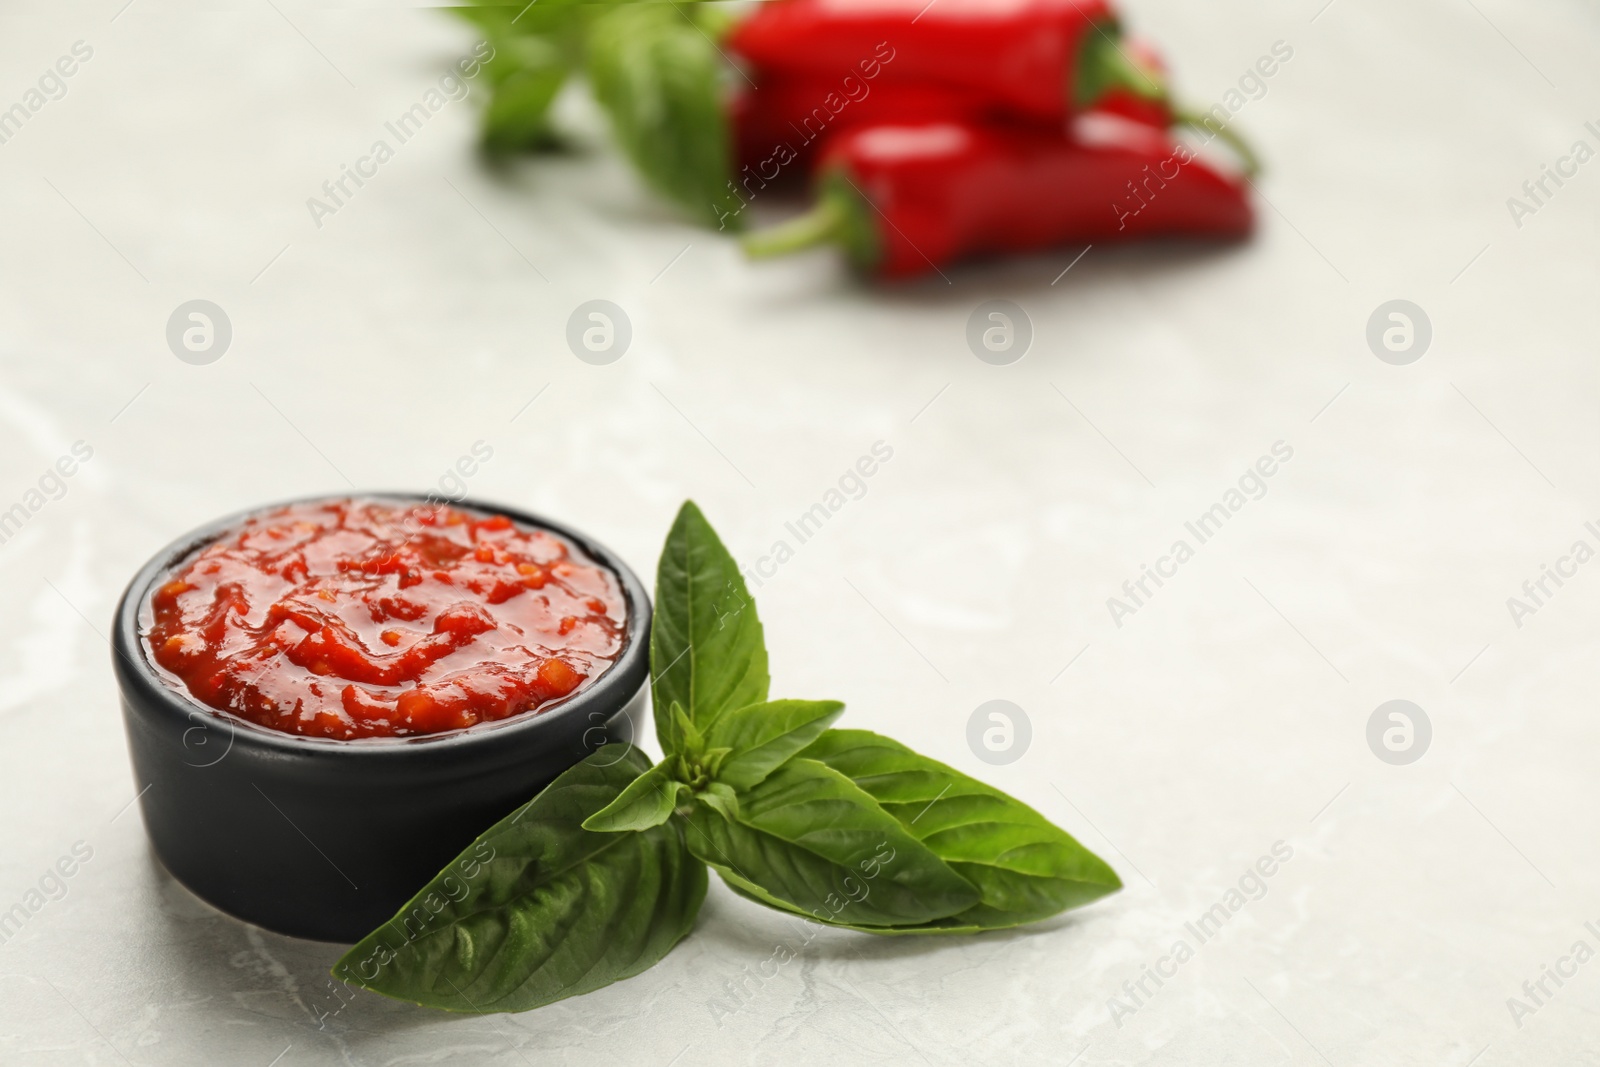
{"x":597,"y":877}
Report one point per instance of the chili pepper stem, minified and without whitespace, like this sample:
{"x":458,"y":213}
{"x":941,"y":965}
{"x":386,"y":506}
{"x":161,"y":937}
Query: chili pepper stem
{"x":1105,"y":65}
{"x":825,"y":222}
{"x":1199,"y":120}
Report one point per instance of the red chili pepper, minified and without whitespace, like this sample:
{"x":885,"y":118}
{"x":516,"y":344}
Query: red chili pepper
{"x":904,"y":200}
{"x":787,"y":118}
{"x":1040,"y":59}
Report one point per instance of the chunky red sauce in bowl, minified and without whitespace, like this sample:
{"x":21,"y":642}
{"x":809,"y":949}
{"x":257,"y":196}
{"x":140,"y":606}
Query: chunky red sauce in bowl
{"x":327,"y":700}
{"x":363,"y":618}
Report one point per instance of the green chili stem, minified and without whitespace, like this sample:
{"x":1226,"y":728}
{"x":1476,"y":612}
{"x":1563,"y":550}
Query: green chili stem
{"x":1106,"y":65}
{"x":824,"y":223}
{"x":1201,"y":121}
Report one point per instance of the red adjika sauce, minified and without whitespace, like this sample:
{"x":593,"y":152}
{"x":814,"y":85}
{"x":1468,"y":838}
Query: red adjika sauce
{"x":360,"y":618}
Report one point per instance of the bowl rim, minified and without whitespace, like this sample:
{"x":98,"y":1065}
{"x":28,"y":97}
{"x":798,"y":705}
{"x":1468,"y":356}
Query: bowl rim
{"x":611,"y":691}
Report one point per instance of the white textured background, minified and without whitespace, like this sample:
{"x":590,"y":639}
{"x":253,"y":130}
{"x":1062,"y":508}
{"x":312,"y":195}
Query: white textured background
{"x":1220,"y":719}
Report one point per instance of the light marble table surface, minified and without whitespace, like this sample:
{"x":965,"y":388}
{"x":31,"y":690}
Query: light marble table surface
{"x":1226,"y":716}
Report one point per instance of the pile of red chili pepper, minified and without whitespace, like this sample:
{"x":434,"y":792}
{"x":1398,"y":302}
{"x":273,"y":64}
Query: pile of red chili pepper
{"x":933,"y":132}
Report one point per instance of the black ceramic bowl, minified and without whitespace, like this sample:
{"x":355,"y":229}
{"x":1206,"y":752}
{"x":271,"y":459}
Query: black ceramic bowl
{"x":326,"y":839}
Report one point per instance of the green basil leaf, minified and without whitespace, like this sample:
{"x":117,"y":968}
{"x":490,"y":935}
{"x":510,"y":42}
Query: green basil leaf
{"x":764,"y":736}
{"x":649,"y":800}
{"x":720,"y":797}
{"x":1026,"y":867}
{"x":707,"y":652}
{"x":518,"y":115}
{"x":692,"y":740}
{"x":659,"y":76}
{"x":535,"y":49}
{"x":808,"y":840}
{"x":538,"y":909}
